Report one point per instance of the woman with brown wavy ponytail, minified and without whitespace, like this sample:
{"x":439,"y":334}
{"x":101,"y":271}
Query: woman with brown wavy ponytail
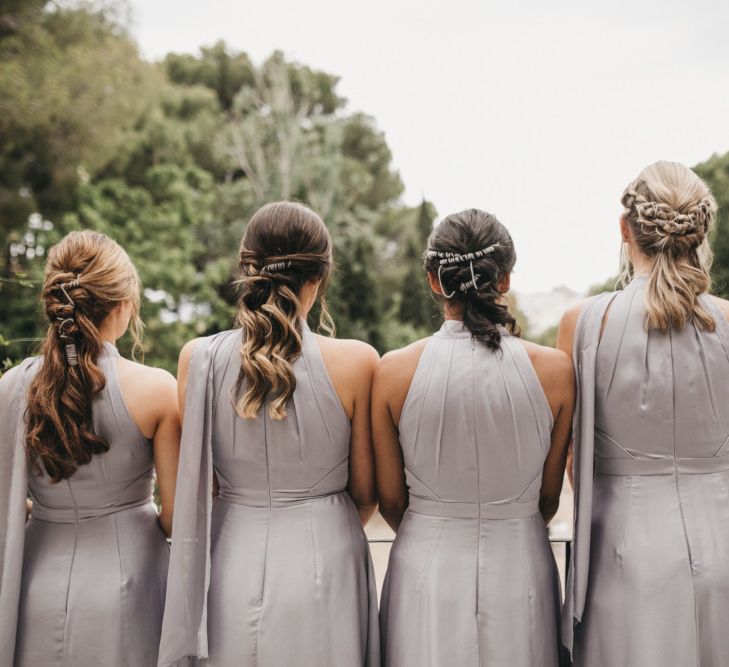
{"x":85,"y":430}
{"x":650,"y":584}
{"x":470,"y":429}
{"x":275,"y":570}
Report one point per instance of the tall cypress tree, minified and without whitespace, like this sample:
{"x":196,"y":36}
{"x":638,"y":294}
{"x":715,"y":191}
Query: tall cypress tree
{"x":417,"y":306}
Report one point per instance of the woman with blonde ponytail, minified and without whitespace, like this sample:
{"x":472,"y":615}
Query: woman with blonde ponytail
{"x":82,"y":431}
{"x":269,"y":563}
{"x":649,"y":577}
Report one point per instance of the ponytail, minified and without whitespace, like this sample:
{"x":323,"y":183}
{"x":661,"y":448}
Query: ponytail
{"x":87,"y":275}
{"x":285,"y":246}
{"x":670,"y":211}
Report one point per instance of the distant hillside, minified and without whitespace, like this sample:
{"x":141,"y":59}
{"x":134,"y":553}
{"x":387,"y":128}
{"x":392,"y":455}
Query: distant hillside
{"x":543,"y":310}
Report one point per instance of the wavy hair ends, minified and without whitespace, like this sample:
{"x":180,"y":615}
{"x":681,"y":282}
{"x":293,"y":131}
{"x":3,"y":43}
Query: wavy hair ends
{"x":483,"y":307}
{"x":285,"y":246}
{"x":670,"y":212}
{"x":87,"y":275}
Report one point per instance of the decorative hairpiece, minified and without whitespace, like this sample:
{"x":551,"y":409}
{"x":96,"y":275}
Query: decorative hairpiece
{"x":446,"y":258}
{"x":669,"y":222}
{"x":65,"y":322}
{"x":276,"y":266}
{"x":458,"y":258}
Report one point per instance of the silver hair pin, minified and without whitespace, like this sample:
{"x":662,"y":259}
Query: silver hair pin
{"x":440,"y":282}
{"x":276,"y":266}
{"x":458,"y":258}
{"x":446,"y":258}
{"x":69,"y":347}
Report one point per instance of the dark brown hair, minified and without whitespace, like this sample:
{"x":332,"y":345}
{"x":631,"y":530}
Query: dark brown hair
{"x":285,"y":245}
{"x":87,"y":275}
{"x":483,"y":306}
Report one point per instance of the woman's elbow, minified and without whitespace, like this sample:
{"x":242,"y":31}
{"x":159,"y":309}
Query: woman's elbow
{"x":548,"y":506}
{"x":393,"y":511}
{"x":165,"y":521}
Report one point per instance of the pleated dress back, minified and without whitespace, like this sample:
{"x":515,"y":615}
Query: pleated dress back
{"x":472,"y":579}
{"x":291,"y":580}
{"x":95,"y":558}
{"x":657,"y":592}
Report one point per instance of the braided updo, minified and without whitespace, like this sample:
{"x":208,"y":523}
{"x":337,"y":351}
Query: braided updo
{"x":470,"y":252}
{"x":87,"y":276}
{"x":285,"y":246}
{"x":670,"y":211}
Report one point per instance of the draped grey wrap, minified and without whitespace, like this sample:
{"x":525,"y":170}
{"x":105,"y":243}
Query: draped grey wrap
{"x":13,"y":494}
{"x":650,"y":570}
{"x":586,"y":340}
{"x":185,"y":624}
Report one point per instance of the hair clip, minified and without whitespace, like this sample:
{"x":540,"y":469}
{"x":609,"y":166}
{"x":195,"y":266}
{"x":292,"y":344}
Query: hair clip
{"x":440,"y":282}
{"x":71,"y":354}
{"x":276,"y":266}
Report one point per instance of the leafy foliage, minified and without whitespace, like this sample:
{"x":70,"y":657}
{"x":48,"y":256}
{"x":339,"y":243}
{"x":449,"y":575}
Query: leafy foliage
{"x":171,"y":159}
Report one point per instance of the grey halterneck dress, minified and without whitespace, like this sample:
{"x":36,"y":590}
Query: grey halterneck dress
{"x":94,"y":558}
{"x":276,"y":569}
{"x":471,"y":579}
{"x":651,"y":569}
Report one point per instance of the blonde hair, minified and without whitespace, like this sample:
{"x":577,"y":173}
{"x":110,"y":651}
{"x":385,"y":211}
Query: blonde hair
{"x":670,"y":211}
{"x":285,"y":245}
{"x":87,"y":275}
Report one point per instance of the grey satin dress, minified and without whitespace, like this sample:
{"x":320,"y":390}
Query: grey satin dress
{"x":472,"y":580}
{"x":654,"y":580}
{"x":94,"y":564}
{"x":287,"y":577}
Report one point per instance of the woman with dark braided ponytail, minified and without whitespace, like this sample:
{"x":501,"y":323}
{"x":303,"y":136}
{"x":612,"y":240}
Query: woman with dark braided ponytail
{"x":83,"y":430}
{"x":470,"y":429}
{"x":649,"y":581}
{"x":275,"y":569}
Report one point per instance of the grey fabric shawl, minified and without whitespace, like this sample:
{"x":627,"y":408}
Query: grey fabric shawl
{"x":184,"y":628}
{"x":13,"y":494}
{"x":586,"y":341}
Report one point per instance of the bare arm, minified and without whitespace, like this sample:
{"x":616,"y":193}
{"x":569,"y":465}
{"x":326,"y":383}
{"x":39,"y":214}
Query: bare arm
{"x":166,"y":447}
{"x":392,"y":381}
{"x":565,"y":343}
{"x":559,"y":386}
{"x":151,"y":397}
{"x":361,"y":484}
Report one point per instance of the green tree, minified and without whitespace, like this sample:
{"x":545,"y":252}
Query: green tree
{"x":715,"y":171}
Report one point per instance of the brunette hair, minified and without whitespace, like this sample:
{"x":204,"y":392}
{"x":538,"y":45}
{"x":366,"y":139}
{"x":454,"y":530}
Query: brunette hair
{"x":470,"y":252}
{"x":285,"y":245}
{"x":87,"y":275}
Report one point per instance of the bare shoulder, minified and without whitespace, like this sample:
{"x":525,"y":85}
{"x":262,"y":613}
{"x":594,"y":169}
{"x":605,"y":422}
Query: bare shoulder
{"x":355,"y":354}
{"x":148,"y":380}
{"x":551,"y":365}
{"x":186,"y":353}
{"x":571,"y":315}
{"x":401,"y":362}
{"x":723,"y":305}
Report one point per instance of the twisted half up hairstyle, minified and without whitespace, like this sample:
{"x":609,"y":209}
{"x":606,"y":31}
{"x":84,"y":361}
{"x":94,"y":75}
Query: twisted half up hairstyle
{"x":471,"y":252}
{"x":670,"y":212}
{"x":285,"y":246}
{"x":87,"y":275}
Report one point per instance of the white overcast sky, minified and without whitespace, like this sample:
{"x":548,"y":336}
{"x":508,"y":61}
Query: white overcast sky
{"x":540,"y":112}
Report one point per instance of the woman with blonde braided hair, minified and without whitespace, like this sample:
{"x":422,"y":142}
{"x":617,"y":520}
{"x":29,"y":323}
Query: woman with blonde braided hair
{"x":649,"y":578}
{"x":471,"y":428}
{"x":84,"y":430}
{"x":274,"y":569}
